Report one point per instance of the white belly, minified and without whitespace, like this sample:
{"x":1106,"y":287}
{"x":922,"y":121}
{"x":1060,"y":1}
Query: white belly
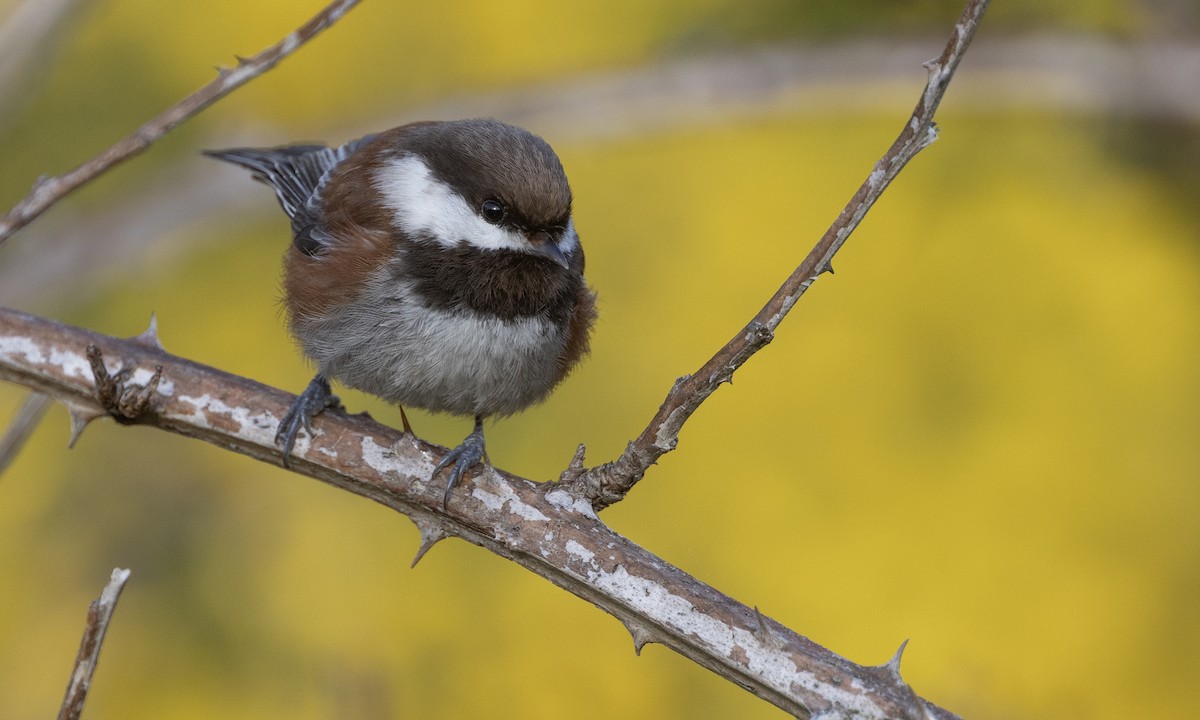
{"x":440,"y":360}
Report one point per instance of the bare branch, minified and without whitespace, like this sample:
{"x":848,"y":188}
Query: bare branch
{"x":540,"y":527}
{"x":607,"y":484}
{"x":25,"y":35}
{"x":48,"y":191}
{"x":27,"y":418}
{"x":99,"y":614}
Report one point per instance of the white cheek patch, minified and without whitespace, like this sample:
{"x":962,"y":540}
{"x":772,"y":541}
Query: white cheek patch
{"x":569,"y":240}
{"x":424,"y":205}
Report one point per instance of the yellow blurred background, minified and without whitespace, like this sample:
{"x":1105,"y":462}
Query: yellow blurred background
{"x":982,"y":434}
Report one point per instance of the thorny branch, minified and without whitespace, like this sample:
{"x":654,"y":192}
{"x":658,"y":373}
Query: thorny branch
{"x":538,"y":526}
{"x":551,"y":530}
{"x":99,"y":614}
{"x":609,"y":483}
{"x":48,"y":191}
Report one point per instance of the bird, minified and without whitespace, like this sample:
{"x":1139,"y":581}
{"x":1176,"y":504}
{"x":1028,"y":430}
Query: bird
{"x":434,"y":265}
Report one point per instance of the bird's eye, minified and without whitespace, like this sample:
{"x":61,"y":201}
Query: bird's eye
{"x":492,"y":211}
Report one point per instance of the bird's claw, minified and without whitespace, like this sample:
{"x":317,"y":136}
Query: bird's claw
{"x":464,"y":457}
{"x":310,"y":403}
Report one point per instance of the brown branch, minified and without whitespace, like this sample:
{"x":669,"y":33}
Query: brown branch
{"x":48,"y":191}
{"x":540,"y":527}
{"x":609,"y":483}
{"x":99,"y":614}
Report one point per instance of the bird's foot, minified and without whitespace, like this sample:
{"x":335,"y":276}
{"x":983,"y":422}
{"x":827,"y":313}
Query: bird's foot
{"x":465,"y":456}
{"x":309,"y":404}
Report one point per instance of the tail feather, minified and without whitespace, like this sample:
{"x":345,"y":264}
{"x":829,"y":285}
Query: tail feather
{"x":294,"y":172}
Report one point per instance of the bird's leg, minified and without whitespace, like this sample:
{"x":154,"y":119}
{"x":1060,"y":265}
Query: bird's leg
{"x":310,"y":403}
{"x":465,"y":456}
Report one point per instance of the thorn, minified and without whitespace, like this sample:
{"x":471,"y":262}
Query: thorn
{"x":404,"y":419}
{"x":241,"y":60}
{"x":762,"y":631}
{"x":575,"y":468}
{"x":427,"y":543}
{"x":576,"y":465}
{"x":764,"y":634}
{"x":149,"y":337}
{"x":829,"y":268}
{"x":81,"y":416}
{"x":431,"y":534}
{"x":641,"y":636}
{"x":893,"y":666}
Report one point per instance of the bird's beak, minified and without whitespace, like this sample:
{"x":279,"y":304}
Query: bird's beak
{"x":549,"y":249}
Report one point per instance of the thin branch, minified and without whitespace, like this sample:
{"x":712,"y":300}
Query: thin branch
{"x":27,"y":418}
{"x":25,"y":36}
{"x":609,"y":483}
{"x":48,"y":191}
{"x":539,"y":526}
{"x":99,"y":614}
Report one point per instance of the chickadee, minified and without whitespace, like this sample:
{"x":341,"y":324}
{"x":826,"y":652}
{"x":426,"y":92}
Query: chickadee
{"x":434,"y":265}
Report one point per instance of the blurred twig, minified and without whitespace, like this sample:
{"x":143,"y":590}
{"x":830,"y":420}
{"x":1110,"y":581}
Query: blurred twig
{"x":99,"y":614}
{"x":25,"y":36}
{"x":107,"y":243}
{"x":23,"y":424}
{"x":606,"y":484}
{"x":47,"y":191}
{"x":1140,"y":78}
{"x":541,"y":527}
{"x":1137,"y":80}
